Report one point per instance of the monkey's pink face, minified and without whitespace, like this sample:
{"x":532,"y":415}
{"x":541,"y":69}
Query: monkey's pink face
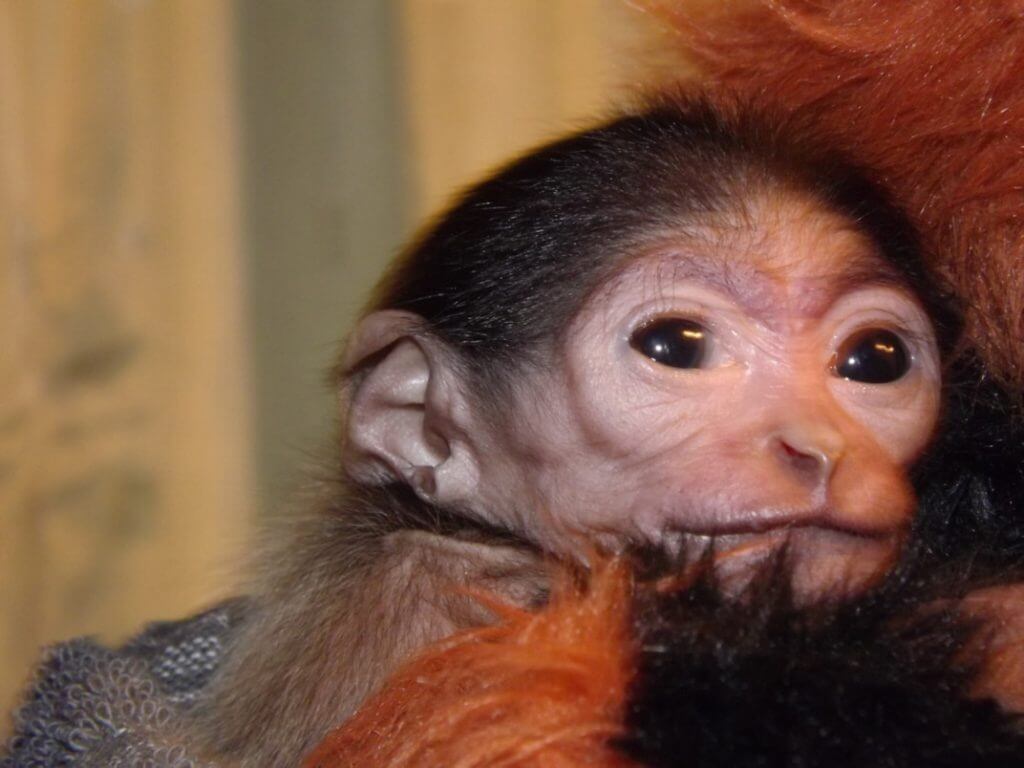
{"x":769,"y":379}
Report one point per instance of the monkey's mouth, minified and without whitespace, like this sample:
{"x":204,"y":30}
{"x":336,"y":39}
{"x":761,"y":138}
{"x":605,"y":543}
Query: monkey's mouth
{"x":821,"y":560}
{"x":739,"y":542}
{"x":782,"y":521}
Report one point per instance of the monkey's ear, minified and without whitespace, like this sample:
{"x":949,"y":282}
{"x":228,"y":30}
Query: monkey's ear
{"x":407,"y":416}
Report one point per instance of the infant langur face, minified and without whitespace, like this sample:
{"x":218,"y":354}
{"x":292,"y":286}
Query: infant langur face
{"x":768,"y":378}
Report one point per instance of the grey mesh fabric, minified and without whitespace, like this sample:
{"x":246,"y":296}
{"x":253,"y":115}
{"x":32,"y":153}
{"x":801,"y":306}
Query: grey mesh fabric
{"x":90,"y":706}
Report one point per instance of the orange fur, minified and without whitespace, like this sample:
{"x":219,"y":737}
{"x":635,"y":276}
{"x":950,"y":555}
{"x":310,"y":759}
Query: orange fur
{"x":538,"y":690}
{"x":930,"y":93}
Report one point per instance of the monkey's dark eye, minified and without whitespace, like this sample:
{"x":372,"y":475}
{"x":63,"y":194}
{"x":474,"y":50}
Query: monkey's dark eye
{"x":672,"y":341}
{"x":872,"y":356}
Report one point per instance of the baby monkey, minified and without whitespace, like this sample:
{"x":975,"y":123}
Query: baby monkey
{"x":687,"y":328}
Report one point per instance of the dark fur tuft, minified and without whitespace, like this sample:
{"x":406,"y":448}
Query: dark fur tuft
{"x":881,"y":681}
{"x":971,"y":483}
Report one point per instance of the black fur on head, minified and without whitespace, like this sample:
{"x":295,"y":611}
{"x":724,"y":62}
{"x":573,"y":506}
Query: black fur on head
{"x":880,"y":681}
{"x":511,"y":263}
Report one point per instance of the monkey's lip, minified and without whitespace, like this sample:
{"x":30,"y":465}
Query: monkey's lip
{"x":804,"y":536}
{"x":820,"y":562}
{"x":765,"y":542}
{"x":776,"y":522}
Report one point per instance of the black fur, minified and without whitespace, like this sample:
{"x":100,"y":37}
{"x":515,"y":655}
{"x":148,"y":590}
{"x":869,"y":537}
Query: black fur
{"x":971,"y":483}
{"x":877,"y":682}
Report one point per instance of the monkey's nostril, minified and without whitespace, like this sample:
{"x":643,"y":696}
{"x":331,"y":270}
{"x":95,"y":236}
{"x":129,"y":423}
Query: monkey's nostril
{"x":790,"y":450}
{"x":812,"y":463}
{"x":808,"y":449}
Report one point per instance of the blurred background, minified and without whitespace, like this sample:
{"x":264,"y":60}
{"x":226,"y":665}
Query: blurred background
{"x":195,"y":198}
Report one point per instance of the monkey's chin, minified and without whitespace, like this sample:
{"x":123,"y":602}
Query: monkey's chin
{"x":823,"y":564}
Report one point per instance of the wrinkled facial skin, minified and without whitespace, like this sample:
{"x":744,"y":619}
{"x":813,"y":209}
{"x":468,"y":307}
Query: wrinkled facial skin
{"x":765,"y":441}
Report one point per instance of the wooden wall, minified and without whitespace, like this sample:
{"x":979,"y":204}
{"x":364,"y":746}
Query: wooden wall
{"x":195,"y":196}
{"x":486,"y":79}
{"x":124,"y":478}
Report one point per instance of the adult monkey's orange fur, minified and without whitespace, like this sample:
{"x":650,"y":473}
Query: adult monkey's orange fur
{"x":538,"y":690}
{"x":930,"y":94}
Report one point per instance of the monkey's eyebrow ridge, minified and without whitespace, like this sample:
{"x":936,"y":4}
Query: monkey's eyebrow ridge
{"x":755,"y":288}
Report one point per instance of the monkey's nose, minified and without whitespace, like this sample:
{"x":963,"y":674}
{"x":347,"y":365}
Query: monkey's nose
{"x":811,"y":453}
